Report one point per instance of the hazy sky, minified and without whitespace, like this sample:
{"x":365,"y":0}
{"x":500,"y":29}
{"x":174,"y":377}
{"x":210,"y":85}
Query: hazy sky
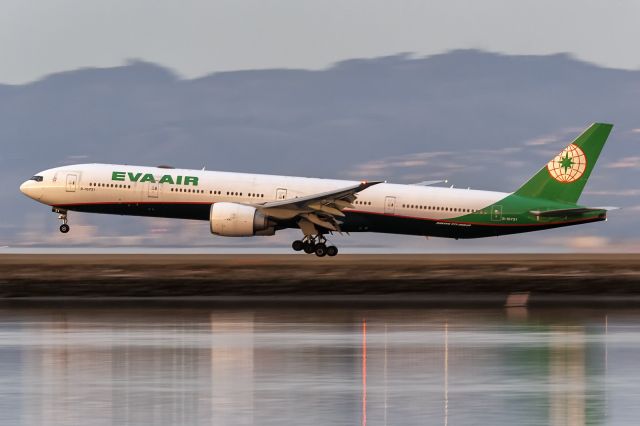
{"x":196,"y":37}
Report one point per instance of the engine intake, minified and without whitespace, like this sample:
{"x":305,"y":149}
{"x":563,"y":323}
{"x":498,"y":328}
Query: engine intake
{"x":238,"y":220}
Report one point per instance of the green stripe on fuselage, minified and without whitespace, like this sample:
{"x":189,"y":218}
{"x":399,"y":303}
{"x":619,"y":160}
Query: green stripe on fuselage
{"x":516,"y":210}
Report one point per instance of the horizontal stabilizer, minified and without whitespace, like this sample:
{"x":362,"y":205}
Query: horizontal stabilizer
{"x":566,"y":212}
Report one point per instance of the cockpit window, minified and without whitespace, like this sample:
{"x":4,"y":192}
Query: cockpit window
{"x":37,"y":178}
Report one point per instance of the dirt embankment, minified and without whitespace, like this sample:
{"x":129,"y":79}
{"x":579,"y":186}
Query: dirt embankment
{"x":299,"y":275}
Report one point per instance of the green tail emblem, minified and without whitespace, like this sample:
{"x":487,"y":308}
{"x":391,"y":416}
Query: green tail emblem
{"x":565,"y":176}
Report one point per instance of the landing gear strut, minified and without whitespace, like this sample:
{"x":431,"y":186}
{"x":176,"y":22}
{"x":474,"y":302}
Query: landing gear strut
{"x":315,"y":244}
{"x":64,"y":228}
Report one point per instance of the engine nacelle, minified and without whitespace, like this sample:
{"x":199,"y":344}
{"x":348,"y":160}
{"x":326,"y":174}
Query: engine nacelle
{"x":238,"y":220}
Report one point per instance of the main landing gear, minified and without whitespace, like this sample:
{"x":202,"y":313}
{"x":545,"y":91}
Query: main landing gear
{"x":315,"y":244}
{"x":64,"y":228}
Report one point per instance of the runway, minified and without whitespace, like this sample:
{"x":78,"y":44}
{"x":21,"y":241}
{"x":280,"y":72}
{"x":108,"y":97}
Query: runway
{"x":346,"y":278}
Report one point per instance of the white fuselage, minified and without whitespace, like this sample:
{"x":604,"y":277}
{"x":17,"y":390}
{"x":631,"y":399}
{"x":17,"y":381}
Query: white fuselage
{"x":93,"y":184}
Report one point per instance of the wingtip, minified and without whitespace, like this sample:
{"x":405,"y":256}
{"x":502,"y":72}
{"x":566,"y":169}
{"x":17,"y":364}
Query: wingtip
{"x":371,"y":182}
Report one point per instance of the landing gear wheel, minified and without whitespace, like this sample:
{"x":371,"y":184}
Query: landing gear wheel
{"x":297,"y":245}
{"x":332,"y":251}
{"x":62,"y":215}
{"x":321,"y":250}
{"x":309,"y":248}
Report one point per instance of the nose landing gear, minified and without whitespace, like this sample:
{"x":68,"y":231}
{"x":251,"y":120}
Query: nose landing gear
{"x":315,"y":244}
{"x":64,"y":228}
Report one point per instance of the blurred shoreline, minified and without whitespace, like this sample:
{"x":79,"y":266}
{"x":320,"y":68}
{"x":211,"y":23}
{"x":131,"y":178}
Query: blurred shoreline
{"x":345,"y":279}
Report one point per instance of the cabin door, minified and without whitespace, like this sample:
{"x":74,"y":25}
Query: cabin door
{"x":72,"y":180}
{"x":496,"y":213}
{"x":281,"y":194}
{"x":390,"y":205}
{"x":153,"y":189}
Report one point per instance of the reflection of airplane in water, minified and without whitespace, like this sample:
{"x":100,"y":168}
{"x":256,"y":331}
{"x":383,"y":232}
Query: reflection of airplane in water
{"x":240,"y":204}
{"x":193,"y":366}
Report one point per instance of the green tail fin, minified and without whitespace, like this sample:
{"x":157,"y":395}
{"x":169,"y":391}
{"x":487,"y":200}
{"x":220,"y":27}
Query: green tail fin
{"x":564,"y":177}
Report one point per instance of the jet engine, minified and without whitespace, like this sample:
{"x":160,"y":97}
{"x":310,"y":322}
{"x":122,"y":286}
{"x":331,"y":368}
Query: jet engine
{"x":238,"y":220}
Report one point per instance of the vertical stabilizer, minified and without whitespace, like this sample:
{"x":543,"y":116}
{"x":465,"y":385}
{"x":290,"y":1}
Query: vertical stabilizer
{"x":563,"y":178}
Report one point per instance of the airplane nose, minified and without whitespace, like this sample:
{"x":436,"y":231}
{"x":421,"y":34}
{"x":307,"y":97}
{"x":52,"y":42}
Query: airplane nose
{"x":31,"y":189}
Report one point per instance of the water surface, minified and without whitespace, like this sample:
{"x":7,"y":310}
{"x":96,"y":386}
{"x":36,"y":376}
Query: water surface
{"x":313,"y":366}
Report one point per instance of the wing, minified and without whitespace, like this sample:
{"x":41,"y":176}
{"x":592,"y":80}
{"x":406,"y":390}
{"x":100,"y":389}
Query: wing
{"x":430,"y":182}
{"x":323,"y":209}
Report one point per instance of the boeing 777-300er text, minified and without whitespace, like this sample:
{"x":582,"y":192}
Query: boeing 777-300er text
{"x":241,"y":205}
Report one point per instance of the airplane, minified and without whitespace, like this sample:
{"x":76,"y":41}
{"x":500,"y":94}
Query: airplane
{"x":242,"y":204}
